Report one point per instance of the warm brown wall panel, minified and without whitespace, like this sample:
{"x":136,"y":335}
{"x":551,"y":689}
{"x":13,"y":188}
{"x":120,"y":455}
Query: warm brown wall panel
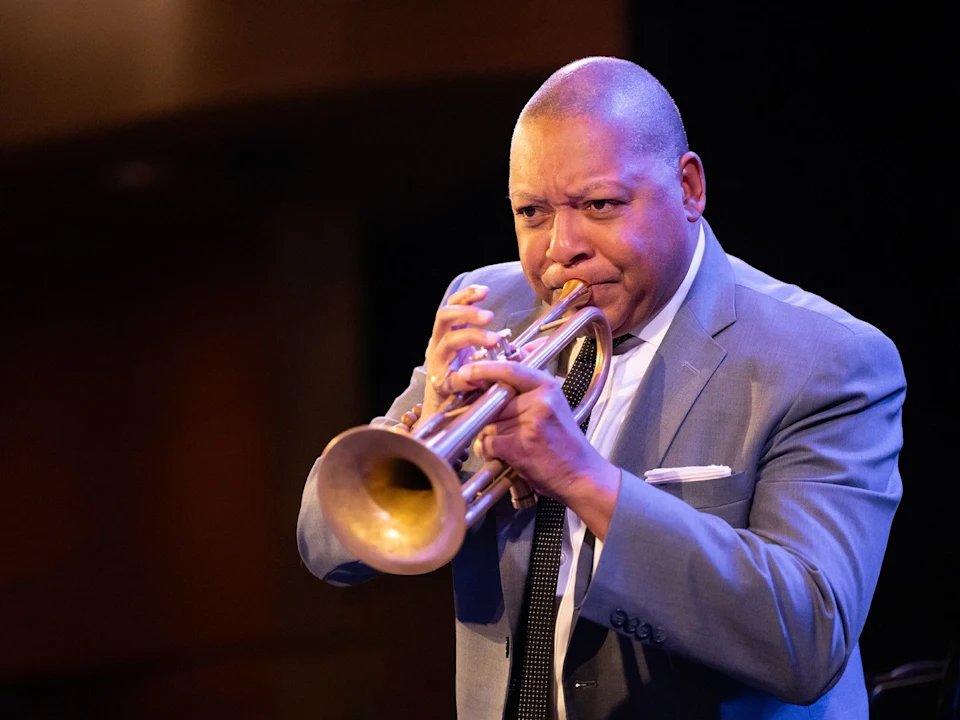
{"x":69,"y":67}
{"x":135,"y":453}
{"x":170,"y":368}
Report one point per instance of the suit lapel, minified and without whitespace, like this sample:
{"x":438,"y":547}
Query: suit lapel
{"x":677,"y":374}
{"x":682,"y":365}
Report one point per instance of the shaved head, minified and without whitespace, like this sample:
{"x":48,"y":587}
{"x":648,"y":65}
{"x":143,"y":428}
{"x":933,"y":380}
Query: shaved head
{"x":604,"y":189}
{"x":619,"y":92}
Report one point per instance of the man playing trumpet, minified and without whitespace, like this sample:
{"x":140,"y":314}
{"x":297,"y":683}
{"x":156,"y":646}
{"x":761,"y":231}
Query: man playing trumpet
{"x":709,"y":544}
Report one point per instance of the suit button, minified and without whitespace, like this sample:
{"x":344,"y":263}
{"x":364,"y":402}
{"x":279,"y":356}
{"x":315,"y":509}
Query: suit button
{"x":618,"y":618}
{"x":630,"y":625}
{"x":659,"y":635}
{"x":643,"y":631}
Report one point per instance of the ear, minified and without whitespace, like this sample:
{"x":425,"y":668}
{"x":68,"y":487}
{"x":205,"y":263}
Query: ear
{"x":694,"y":184}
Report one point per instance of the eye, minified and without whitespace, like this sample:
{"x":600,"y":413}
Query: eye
{"x":528,"y":212}
{"x":604,"y":204}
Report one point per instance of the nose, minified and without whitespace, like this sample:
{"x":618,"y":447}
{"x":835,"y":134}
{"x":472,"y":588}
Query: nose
{"x":567,"y":246}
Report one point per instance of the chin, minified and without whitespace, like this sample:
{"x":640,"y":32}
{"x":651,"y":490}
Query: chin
{"x":620,"y":321}
{"x":612,"y":317}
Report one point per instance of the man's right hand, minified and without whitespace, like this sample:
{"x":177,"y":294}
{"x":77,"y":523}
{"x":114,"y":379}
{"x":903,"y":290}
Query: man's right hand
{"x":457,"y":332}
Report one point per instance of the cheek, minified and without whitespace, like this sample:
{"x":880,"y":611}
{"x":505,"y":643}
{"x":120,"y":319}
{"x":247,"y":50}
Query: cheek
{"x":533,"y":260}
{"x":609,"y":297}
{"x":653,"y":269}
{"x":629,"y":255}
{"x":533,"y":245}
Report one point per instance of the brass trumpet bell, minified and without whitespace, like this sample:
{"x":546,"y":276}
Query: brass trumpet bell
{"x":393,"y":499}
{"x":392,"y":502}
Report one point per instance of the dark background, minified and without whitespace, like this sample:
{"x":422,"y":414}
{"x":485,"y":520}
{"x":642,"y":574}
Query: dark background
{"x":223,"y":234}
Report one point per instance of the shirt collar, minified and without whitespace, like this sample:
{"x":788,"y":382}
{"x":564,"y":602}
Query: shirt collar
{"x":654,"y":329}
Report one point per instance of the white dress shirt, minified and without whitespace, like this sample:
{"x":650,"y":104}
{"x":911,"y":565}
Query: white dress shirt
{"x":627,"y":368}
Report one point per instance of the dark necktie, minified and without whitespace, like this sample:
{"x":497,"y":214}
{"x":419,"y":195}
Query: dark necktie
{"x":530,"y":680}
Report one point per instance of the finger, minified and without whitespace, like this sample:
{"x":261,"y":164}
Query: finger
{"x":500,"y":427}
{"x":452,"y":352}
{"x":503,"y":426}
{"x":491,"y":446}
{"x":539,"y":403}
{"x":450,"y":345}
{"x":533,"y":346}
{"x":453,"y":383}
{"x":468,"y":295}
{"x":517,"y":375}
{"x":451,"y":317}
{"x":543,"y":398}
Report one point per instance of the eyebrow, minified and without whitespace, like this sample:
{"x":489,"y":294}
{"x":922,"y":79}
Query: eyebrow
{"x":579,"y":195}
{"x":525,"y":197}
{"x":592,"y":187}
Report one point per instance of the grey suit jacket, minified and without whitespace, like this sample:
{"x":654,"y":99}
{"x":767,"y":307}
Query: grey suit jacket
{"x":741,"y":597}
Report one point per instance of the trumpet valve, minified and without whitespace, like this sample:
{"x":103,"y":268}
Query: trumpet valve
{"x":504,"y":350}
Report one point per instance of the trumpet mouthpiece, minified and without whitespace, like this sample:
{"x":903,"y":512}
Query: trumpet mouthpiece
{"x":576,"y":293}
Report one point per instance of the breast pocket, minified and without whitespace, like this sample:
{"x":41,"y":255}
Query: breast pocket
{"x":727,"y":497}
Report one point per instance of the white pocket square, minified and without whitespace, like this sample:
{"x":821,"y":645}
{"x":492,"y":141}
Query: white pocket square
{"x":691,"y":473}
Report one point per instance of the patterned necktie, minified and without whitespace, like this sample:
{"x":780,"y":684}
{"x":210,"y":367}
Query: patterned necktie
{"x":529,"y":692}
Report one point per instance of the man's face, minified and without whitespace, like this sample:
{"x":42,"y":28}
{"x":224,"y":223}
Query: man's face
{"x":587,"y":206}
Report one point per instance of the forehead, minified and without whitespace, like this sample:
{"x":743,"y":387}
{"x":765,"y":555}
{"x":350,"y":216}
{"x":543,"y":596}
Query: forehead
{"x":569,"y":150}
{"x":539,"y":136}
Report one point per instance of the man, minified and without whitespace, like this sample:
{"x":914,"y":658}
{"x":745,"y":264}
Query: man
{"x":737,"y":588}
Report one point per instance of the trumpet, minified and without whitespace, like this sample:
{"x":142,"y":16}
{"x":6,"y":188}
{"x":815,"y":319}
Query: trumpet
{"x":394,"y":500}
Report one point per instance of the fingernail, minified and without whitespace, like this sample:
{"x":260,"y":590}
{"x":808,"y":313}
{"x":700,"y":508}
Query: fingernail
{"x":486,"y":315}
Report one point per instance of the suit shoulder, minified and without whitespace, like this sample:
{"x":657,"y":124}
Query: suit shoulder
{"x":505,"y":280}
{"x":763,"y":297}
{"x":499,"y":273}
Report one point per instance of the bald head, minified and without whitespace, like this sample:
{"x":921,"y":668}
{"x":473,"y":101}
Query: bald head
{"x":619,"y":92}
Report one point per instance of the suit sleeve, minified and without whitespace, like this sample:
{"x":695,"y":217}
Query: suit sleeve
{"x":780,"y":604}
{"x":320,"y":550}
